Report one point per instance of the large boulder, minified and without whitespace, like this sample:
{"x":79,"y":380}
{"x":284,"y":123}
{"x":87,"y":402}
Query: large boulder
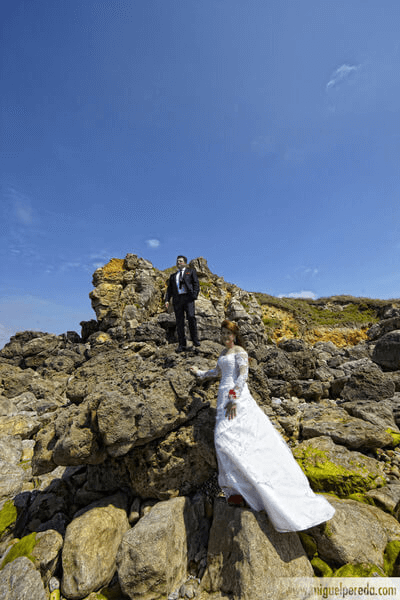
{"x":90,"y":547}
{"x":249,"y":559}
{"x":331,"y":467}
{"x":357,"y":533}
{"x":391,"y":323}
{"x":387,"y":351}
{"x":366,"y":381}
{"x":335,"y":422}
{"x":378,"y":413}
{"x":153,"y":556}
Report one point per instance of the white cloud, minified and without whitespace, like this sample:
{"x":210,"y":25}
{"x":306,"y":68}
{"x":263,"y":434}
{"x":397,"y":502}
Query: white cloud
{"x":340,"y":74}
{"x":302,"y":294}
{"x":153,"y":243}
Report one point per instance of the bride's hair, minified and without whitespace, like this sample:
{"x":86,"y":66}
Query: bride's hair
{"x":234,"y":328}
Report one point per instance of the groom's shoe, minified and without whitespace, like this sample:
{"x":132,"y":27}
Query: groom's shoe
{"x":181,"y":349}
{"x":196,"y":343}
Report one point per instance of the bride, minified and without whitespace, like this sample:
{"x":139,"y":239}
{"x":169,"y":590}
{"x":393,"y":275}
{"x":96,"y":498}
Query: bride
{"x":254,"y":462}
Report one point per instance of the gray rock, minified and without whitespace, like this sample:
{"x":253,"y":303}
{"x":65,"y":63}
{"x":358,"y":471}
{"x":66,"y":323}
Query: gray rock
{"x":358,"y":352}
{"x":19,"y":580}
{"x":277,"y":365}
{"x":10,"y":449}
{"x":15,"y":381}
{"x":328,"y":374}
{"x":357,"y":533}
{"x":310,"y":390}
{"x":75,"y":440}
{"x":153,"y":556}
{"x":387,"y":351}
{"x":7,"y":407}
{"x":90,"y":548}
{"x":292,"y":345}
{"x":12,"y":479}
{"x":342,"y":428}
{"x":249,"y":559}
{"x":46,"y":553}
{"x":328,"y":347}
{"x":387,"y":497}
{"x":366,"y":382}
{"x":378,"y":413}
{"x":391,"y":323}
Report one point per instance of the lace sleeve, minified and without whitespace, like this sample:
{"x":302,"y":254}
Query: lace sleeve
{"x":216,"y":372}
{"x":242,"y":364}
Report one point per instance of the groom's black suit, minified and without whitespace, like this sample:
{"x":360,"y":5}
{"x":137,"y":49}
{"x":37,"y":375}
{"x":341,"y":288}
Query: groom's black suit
{"x":184,"y":303}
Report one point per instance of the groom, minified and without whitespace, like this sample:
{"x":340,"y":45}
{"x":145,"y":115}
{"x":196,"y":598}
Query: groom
{"x":183,"y":287}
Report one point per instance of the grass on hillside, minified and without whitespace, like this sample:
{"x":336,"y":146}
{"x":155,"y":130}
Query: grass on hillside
{"x":337,"y":311}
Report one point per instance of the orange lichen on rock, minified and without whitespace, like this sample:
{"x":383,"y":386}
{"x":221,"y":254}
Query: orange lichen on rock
{"x":115,"y":265}
{"x":113,"y":270}
{"x":279,"y":323}
{"x":341,"y":337}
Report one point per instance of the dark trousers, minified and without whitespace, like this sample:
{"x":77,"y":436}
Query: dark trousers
{"x":184,"y":304}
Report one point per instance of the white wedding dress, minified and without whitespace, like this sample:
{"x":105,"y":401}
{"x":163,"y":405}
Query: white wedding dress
{"x":255,"y":461}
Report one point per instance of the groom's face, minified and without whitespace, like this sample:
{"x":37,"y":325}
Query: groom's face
{"x":180,"y":263}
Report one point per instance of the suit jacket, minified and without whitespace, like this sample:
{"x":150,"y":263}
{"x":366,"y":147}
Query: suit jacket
{"x":191,"y":282}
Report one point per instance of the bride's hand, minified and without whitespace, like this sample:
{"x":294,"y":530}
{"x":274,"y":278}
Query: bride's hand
{"x":194,"y":370}
{"x":230,"y":410}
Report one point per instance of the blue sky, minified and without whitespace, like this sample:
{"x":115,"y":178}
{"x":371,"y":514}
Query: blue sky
{"x":264,"y":136}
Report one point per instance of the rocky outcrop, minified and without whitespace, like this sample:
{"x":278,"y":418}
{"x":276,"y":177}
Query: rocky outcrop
{"x":108,"y":470}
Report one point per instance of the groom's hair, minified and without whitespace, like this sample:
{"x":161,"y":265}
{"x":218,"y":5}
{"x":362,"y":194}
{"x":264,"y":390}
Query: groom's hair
{"x":184,"y":258}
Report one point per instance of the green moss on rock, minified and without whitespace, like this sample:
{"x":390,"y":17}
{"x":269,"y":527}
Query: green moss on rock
{"x":358,"y":497}
{"x":394,"y":435}
{"x":390,"y":556}
{"x":359,"y":570}
{"x":308,"y":543}
{"x":324,"y":475}
{"x":8,"y":516}
{"x":22,"y":548}
{"x":321,"y":568}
